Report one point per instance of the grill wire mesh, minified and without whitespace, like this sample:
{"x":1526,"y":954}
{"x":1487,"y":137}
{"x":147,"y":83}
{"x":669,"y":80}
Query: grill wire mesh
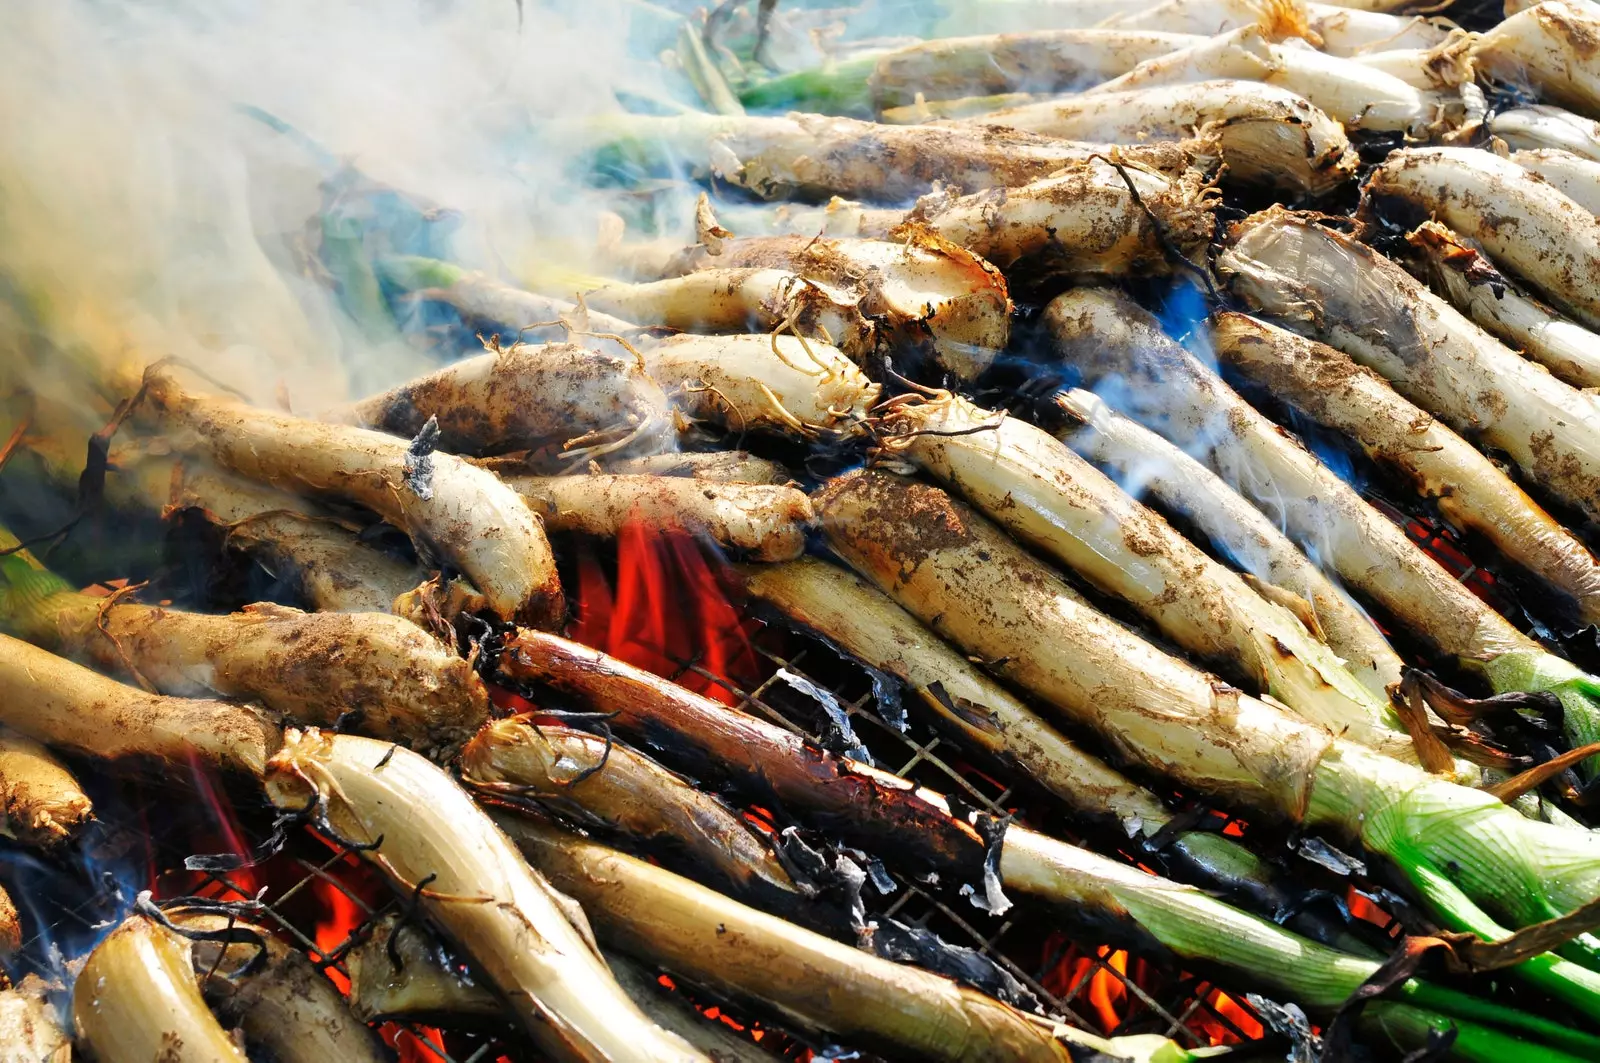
{"x":1088,"y":983}
{"x":299,"y":878}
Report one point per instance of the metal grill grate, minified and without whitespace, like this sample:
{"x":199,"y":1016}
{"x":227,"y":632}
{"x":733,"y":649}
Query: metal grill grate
{"x":935,"y":760}
{"x":1064,"y":971}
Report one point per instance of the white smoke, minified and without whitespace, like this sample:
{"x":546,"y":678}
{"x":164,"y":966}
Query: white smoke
{"x":144,"y":212}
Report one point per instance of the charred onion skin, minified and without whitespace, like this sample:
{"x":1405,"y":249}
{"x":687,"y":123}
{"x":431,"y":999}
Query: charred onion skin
{"x":469,"y":516}
{"x":29,"y":1029}
{"x":1044,"y":61}
{"x":1460,"y":273}
{"x":137,"y":1000}
{"x":41,"y":802}
{"x":1239,"y":748}
{"x":714,"y":466}
{"x":1549,"y":47}
{"x":1297,"y":272}
{"x":430,"y":986}
{"x":1050,"y":498}
{"x":62,"y":704}
{"x":767,"y":522}
{"x":1576,"y":175}
{"x":284,"y":1006}
{"x":1266,"y":135}
{"x":813,"y":157}
{"x":529,"y":396}
{"x":1471,"y":492}
{"x":1081,"y":221}
{"x":593,"y":783}
{"x":386,"y":676}
{"x":723,"y":748}
{"x":432,"y":842}
{"x":848,"y":612}
{"x":930,"y":552}
{"x":935,"y":303}
{"x":1184,"y":486}
{"x":804,"y":977}
{"x":754,"y":383}
{"x":1527,"y":226}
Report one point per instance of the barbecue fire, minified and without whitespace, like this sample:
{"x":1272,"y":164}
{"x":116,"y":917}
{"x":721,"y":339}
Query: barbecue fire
{"x":967,"y":530}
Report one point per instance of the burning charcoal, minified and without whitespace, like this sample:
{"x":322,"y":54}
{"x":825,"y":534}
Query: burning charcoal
{"x":1266,"y":135}
{"x":1175,"y":720}
{"x":826,"y":986}
{"x":1526,"y":225}
{"x":767,"y":522}
{"x":933,"y":302}
{"x":137,"y":1000}
{"x":40,"y":802}
{"x":1459,"y":272}
{"x":525,"y":397}
{"x":765,"y":383}
{"x":1272,"y":564}
{"x":717,"y":466}
{"x":30,"y":1030}
{"x":1047,"y":496}
{"x":271,"y":992}
{"x":389,"y":677}
{"x":1468,"y":488}
{"x":472,"y":520}
{"x":63,"y":704}
{"x":416,"y":825}
{"x":597,"y":784}
{"x":813,"y":156}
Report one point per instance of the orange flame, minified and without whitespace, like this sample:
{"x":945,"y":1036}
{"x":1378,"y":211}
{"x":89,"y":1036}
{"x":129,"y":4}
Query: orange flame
{"x":420,"y":1044}
{"x":1218,"y":1032}
{"x":666,"y":612}
{"x":341,"y":917}
{"x":1106,"y":990}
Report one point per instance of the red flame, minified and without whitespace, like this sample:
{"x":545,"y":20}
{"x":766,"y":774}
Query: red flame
{"x":1220,"y":1033}
{"x":667,"y":611}
{"x":341,"y":916}
{"x":417,"y":1044}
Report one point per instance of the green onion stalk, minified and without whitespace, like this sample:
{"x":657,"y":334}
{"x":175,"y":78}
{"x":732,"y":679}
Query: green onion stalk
{"x":914,"y":830}
{"x":842,"y":87}
{"x":977,"y":587}
{"x":1314,"y":281}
